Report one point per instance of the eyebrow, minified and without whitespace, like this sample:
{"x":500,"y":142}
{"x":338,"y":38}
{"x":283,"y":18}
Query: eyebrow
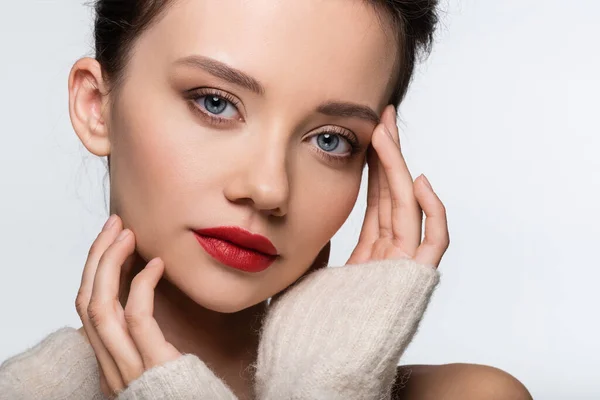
{"x":223,"y":71}
{"x":345,"y":109}
{"x":237,"y":77}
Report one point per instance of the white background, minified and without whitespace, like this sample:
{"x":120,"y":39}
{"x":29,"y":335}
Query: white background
{"x":502,"y":118}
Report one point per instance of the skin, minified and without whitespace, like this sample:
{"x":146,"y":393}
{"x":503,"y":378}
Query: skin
{"x":155,"y":294}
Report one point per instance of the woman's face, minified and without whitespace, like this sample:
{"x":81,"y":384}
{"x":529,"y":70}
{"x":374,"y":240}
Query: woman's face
{"x":194,"y":145}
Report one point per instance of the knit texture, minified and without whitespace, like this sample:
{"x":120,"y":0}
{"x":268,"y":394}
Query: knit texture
{"x":186,"y":378}
{"x":62,"y":366}
{"x":341,"y":332}
{"x":336,"y":334}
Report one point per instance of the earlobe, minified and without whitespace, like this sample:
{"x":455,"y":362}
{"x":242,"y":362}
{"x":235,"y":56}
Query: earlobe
{"x":87,"y":101}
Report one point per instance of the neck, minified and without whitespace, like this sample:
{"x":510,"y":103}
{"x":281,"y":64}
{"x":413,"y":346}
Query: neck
{"x":226,"y":342}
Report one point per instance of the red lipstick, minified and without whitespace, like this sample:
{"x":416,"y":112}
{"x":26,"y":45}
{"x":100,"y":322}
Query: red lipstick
{"x":237,"y":248}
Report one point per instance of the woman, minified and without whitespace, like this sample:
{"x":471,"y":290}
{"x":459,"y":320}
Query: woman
{"x":236,"y":134}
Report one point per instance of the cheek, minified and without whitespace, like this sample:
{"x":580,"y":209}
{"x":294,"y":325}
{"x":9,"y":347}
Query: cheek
{"x":323,"y":205}
{"x":151,"y":171}
{"x":319,"y":209}
{"x":335,"y":205}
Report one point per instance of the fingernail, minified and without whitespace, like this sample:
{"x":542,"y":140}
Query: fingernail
{"x":426,"y":181}
{"x":122,"y":235}
{"x":110,"y":222}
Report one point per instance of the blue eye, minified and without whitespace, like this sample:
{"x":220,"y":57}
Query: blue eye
{"x":329,"y":142}
{"x":217,"y":105}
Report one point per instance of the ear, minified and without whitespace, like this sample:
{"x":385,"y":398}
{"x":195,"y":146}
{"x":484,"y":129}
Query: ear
{"x":88,"y":101}
{"x":320,"y":261}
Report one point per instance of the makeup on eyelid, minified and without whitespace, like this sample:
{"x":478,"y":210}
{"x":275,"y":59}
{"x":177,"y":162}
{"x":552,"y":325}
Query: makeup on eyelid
{"x":194,"y":95}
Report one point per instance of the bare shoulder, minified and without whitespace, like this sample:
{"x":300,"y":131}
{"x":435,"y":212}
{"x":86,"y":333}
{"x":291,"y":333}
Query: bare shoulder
{"x":457,"y":381}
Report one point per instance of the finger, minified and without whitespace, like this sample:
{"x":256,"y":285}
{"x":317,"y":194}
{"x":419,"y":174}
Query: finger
{"x":406,"y":214}
{"x":106,"y":310}
{"x":98,"y":247}
{"x":437,"y":239}
{"x":104,"y":386}
{"x":384,"y":208}
{"x":139,"y":314}
{"x":369,"y":232}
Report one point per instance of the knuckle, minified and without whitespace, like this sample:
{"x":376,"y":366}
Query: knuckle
{"x":447,"y":237}
{"x":133,"y":318}
{"x":81,"y":304}
{"x":387,"y":232}
{"x":444,"y":243}
{"x":96,"y":313}
{"x":444,"y":240}
{"x":432,"y":241}
{"x":397,"y":203}
{"x":441,"y":243}
{"x":442,"y":208}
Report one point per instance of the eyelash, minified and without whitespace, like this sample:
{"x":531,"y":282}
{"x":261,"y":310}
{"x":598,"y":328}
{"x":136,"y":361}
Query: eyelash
{"x":194,"y":94}
{"x":354,"y":145}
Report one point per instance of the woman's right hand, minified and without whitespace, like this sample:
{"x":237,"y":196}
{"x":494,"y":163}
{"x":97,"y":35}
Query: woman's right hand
{"x":127,"y":341}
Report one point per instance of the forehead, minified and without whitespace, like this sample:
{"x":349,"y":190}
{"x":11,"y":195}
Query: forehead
{"x":312,"y":48}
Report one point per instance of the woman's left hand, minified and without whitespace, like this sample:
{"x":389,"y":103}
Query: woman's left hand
{"x":395,"y":205}
{"x":127,"y":341}
{"x":341,"y":331}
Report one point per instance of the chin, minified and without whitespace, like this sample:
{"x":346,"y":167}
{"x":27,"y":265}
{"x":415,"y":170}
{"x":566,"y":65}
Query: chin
{"x":218,"y":291}
{"x":226,"y":305}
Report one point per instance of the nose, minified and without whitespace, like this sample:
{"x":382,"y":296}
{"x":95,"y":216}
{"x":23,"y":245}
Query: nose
{"x":261,"y":179}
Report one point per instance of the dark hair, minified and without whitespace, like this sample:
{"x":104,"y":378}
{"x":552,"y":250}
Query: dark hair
{"x":414,"y":23}
{"x":119,"y":23}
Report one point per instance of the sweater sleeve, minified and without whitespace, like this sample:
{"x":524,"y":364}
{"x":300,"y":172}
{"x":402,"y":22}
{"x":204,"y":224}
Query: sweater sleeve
{"x":186,"y":378}
{"x":340,"y":331}
{"x":62,"y":366}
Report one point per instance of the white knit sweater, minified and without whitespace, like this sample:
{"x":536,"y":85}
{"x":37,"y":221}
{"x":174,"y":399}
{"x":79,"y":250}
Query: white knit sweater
{"x":338,"y":334}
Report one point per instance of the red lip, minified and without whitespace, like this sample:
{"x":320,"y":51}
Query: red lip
{"x":237,"y":247}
